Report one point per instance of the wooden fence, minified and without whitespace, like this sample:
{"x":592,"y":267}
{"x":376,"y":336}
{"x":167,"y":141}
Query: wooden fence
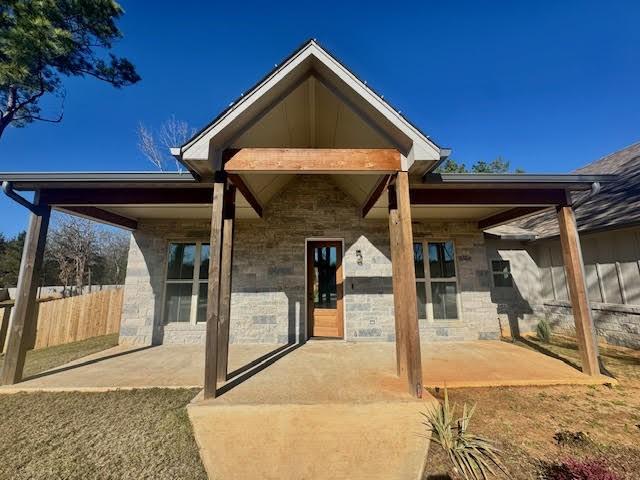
{"x":71,"y":319}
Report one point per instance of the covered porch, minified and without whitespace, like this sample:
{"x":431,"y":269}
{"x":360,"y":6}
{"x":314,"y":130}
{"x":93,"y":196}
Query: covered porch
{"x":278,"y":374}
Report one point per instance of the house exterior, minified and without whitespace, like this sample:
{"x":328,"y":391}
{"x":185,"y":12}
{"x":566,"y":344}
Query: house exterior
{"x":310,"y":210}
{"x":530,"y":249}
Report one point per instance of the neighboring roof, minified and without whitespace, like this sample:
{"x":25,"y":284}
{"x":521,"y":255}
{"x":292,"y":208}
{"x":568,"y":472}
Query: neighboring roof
{"x":616,"y":205}
{"x":310,"y":57}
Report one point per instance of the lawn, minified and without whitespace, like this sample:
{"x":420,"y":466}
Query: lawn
{"x":523,"y":421}
{"x":38,"y":361}
{"x":133,"y":434}
{"x":136,"y":434}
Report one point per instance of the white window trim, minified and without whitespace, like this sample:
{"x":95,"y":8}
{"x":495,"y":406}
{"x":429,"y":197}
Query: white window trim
{"x":427,"y":280}
{"x":195,"y":281}
{"x":493,"y":273}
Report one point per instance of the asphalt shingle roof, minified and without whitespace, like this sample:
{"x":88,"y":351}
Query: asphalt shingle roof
{"x":616,"y":205}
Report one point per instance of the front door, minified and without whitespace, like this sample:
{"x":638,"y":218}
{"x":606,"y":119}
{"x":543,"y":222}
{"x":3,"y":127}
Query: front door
{"x":324,"y":289}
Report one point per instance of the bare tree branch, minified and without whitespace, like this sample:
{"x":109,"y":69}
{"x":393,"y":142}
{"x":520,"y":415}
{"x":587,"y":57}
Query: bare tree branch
{"x":172,"y":133}
{"x":147,"y":145}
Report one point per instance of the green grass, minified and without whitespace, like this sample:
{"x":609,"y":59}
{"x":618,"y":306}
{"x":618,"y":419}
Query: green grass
{"x":38,"y":361}
{"x":136,"y":434}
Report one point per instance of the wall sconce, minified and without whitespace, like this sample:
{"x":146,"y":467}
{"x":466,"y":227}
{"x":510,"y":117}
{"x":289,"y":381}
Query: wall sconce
{"x":359,"y":257}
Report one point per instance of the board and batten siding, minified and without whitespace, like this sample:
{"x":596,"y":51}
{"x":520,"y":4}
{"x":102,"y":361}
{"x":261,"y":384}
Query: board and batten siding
{"x":612,"y":273}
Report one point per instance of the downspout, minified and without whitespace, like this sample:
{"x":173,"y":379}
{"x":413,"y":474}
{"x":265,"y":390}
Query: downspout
{"x":595,"y":189}
{"x":7,"y":188}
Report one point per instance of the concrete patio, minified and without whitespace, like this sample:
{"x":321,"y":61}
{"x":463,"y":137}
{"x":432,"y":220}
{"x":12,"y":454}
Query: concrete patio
{"x":315,"y":372}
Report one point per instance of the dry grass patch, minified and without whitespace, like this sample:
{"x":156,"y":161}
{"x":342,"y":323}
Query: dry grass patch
{"x":39,"y":361}
{"x":524,"y":420}
{"x":137,"y":434}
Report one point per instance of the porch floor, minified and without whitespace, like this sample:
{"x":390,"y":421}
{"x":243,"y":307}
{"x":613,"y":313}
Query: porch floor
{"x":319,"y":371}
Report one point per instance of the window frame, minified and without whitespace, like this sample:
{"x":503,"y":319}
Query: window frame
{"x":494,"y":273}
{"x":195,"y":281}
{"x":427,"y":280}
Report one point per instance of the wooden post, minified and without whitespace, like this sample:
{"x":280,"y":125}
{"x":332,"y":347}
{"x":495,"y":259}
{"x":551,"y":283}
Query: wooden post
{"x":213,"y":292}
{"x":404,"y":286}
{"x":4,"y":326}
{"x":25,"y":301}
{"x":225,"y":281}
{"x":574,"y":268}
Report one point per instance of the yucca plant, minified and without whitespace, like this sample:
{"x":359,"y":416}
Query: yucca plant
{"x":473,"y":457}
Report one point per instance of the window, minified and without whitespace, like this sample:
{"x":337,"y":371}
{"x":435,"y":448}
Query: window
{"x":501,"y":272}
{"x":186,"y":285}
{"x":436,"y":282}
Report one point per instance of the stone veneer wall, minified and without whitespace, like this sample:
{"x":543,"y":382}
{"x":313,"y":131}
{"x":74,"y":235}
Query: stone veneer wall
{"x":268,"y":288}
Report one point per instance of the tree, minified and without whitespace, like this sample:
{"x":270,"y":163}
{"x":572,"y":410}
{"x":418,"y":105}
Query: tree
{"x":72,"y":243}
{"x":113,"y":252}
{"x":498,"y":165}
{"x":43,"y":40}
{"x":155,"y":145}
{"x":10,"y":255}
{"x":451,"y":166}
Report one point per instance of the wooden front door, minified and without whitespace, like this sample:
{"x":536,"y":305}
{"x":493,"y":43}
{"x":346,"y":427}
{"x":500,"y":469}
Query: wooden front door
{"x":324,"y":289}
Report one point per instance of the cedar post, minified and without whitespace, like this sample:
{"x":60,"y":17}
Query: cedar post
{"x":408,"y":359}
{"x":574,"y":268}
{"x":25,"y":302}
{"x":225,"y":281}
{"x":213,"y":289}
{"x":4,"y":326}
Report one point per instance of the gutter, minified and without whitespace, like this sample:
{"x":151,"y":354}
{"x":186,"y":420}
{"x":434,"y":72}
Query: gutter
{"x":7,"y":188}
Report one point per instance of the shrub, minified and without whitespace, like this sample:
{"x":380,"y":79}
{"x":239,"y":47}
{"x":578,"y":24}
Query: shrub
{"x":543,"y":331}
{"x":472,"y":456}
{"x":568,"y":438}
{"x":574,"y":469}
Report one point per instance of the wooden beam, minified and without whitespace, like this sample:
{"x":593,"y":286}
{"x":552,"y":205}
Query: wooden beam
{"x":246,"y":193}
{"x":226,"y":281}
{"x":404,"y":286}
{"x":482,"y":196}
{"x":126,"y":196}
{"x":374,"y":195}
{"x":508,"y":216}
{"x":101,"y":215}
{"x":574,"y":268}
{"x":213,"y":291}
{"x":24,"y":319}
{"x":312,"y":160}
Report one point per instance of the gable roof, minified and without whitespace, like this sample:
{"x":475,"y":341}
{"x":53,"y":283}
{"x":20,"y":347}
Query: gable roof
{"x":616,"y":205}
{"x":310,"y":59}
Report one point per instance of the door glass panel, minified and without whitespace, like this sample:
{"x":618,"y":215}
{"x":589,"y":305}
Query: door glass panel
{"x":441,"y":260}
{"x":418,"y":260}
{"x":178,"y":303}
{"x":444,"y":299}
{"x":182,"y":257}
{"x":204,"y":261}
{"x":325,"y":291}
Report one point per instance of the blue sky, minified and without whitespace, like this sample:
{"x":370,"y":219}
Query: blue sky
{"x":548,"y":85}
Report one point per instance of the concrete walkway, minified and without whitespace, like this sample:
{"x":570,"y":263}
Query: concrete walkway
{"x":326,"y":410}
